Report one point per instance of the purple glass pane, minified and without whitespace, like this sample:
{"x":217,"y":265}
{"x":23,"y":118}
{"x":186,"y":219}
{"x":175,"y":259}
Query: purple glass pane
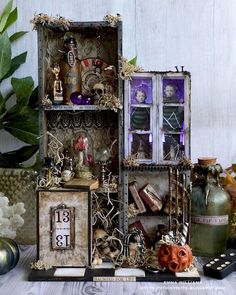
{"x":141,"y":90}
{"x":139,"y":118}
{"x":173,"y":148}
{"x":173,"y":90}
{"x":173,"y":118}
{"x":141,"y":146}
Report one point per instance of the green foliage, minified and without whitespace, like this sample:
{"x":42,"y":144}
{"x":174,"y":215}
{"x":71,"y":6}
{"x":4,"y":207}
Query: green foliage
{"x":21,"y":120}
{"x":5,"y":54}
{"x":133,"y":61}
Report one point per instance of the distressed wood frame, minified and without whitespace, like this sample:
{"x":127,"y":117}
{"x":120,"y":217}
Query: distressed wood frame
{"x":80,"y":201}
{"x":157,"y":112}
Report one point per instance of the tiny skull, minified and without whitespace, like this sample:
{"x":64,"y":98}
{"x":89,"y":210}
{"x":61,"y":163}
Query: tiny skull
{"x":100,"y":238}
{"x":174,"y":257}
{"x":102,"y":242}
{"x":98,"y":91}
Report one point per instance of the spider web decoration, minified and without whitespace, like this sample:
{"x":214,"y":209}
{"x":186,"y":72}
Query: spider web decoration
{"x":174,"y":148}
{"x":172,"y":121}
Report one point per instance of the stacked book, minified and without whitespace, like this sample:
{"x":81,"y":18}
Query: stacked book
{"x":146,"y":196}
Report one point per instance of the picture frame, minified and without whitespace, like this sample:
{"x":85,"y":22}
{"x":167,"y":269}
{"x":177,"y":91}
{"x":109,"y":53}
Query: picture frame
{"x":64,"y":227}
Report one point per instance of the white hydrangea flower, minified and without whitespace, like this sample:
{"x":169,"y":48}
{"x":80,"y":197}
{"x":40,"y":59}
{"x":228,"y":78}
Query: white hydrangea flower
{"x":10,"y":218}
{"x":18,"y":208}
{"x":3,"y":200}
{"x":4,"y":222}
{"x":1,"y":213}
{"x":8,"y":211}
{"x":16,"y":221}
{"x":9,"y":233}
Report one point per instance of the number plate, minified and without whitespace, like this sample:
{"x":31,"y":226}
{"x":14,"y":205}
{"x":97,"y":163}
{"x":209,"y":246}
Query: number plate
{"x":62,"y":227}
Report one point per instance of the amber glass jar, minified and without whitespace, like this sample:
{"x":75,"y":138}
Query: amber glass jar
{"x":70,"y":70}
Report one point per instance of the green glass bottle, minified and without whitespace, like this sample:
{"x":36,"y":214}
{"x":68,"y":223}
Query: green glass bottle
{"x":210,"y":210}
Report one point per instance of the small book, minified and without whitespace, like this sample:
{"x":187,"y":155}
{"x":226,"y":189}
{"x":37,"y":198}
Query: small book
{"x":136,"y":197}
{"x":89,"y":184}
{"x":151,"y":198}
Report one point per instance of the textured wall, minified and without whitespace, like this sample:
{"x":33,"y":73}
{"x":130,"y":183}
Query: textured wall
{"x":197,"y":34}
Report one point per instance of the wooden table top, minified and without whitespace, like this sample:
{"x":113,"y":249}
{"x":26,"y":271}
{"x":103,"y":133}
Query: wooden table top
{"x":16,"y":282}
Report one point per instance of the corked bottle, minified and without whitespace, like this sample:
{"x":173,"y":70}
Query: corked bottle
{"x":70,"y":70}
{"x":210,"y":210}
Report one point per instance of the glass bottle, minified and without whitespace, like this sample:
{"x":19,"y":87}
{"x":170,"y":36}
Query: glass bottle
{"x":210,"y":210}
{"x":70,"y":70}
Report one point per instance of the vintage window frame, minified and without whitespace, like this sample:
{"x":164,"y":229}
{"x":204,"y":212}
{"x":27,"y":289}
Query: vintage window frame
{"x":153,"y":118}
{"x":157,"y":113}
{"x":78,"y":200}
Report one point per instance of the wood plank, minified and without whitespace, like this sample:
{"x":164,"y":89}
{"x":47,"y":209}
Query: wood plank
{"x":15,"y":283}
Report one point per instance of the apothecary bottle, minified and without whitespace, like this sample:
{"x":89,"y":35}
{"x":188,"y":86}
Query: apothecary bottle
{"x":210,"y":210}
{"x":70,"y":70}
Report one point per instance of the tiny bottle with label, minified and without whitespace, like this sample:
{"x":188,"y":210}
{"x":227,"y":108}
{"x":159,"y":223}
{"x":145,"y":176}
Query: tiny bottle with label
{"x":210,"y":210}
{"x":70,"y":70}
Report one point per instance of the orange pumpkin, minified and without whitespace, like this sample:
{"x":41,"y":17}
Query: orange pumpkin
{"x":174,"y":257}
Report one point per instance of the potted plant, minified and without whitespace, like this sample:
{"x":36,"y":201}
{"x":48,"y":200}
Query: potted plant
{"x":20,"y":120}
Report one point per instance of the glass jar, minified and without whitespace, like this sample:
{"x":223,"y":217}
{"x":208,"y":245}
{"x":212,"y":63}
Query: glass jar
{"x":210,"y":210}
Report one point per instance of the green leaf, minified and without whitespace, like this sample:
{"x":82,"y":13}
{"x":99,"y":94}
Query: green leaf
{"x":26,"y":113}
{"x":13,"y":159}
{"x":37,"y":164}
{"x":5,"y":14}
{"x":23,"y":154}
{"x":5,"y":54}
{"x":11,"y":19}
{"x":23,"y":124}
{"x":6,"y":161}
{"x":16,"y":62}
{"x":34,"y":99}
{"x":23,"y":88}
{"x":24,"y":129}
{"x":2,"y":106}
{"x":17,"y":110}
{"x":133,"y":61}
{"x":17,"y":35}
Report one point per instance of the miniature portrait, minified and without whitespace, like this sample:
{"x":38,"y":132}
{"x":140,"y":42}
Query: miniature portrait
{"x":141,"y":84}
{"x":173,"y":90}
{"x":140,"y":115}
{"x":140,"y":98}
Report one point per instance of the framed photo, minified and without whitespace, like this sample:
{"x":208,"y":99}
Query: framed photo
{"x":140,"y":116}
{"x":64,"y":227}
{"x":173,"y":90}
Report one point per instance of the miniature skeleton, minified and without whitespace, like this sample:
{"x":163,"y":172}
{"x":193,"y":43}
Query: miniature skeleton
{"x":99,"y":91}
{"x":104,"y":246}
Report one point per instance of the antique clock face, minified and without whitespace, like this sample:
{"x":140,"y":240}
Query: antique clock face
{"x":91,"y":74}
{"x":95,"y":70}
{"x":89,"y":79}
{"x":62,"y":227}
